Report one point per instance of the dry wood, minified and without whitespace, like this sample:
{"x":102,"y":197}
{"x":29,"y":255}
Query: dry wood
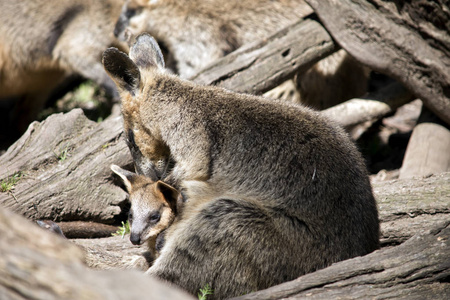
{"x":408,"y":206}
{"x":63,"y":164}
{"x":428,"y":150}
{"x":369,"y":109}
{"x":406,"y":40}
{"x":261,"y":66}
{"x":36,"y":264}
{"x":80,"y":229}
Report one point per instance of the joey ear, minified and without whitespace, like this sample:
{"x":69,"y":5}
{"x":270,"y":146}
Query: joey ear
{"x":127,"y":176}
{"x":122,"y":70}
{"x":146,"y":53}
{"x":169,"y":193}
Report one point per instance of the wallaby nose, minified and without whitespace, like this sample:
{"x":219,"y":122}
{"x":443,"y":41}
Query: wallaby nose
{"x":135,"y":239}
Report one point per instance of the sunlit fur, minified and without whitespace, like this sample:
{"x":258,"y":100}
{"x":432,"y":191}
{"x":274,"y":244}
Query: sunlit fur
{"x":273,"y":190}
{"x":146,"y":198}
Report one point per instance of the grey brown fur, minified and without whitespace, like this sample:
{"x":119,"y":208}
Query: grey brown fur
{"x":42,"y":42}
{"x":274,"y":190}
{"x":153,"y":208}
{"x":195,"y":33}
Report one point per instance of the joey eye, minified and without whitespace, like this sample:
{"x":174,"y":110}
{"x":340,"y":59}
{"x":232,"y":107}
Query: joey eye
{"x":154,"y":217}
{"x":131,"y":12}
{"x":130,"y":217}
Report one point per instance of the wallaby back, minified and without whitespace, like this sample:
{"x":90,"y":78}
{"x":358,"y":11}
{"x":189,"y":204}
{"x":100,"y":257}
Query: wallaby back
{"x":273,"y":190}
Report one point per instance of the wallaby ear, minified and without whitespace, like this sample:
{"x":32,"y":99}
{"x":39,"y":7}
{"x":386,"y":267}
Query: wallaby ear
{"x":122,"y":70}
{"x":146,"y":53}
{"x":127,"y":176}
{"x":169,"y":193}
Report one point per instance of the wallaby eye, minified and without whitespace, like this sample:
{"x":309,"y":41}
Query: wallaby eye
{"x":154,"y":217}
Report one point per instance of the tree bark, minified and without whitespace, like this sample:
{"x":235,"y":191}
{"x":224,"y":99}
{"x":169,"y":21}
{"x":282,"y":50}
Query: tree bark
{"x":428,"y":150}
{"x":259,"y":67}
{"x":374,"y":106}
{"x":86,"y":230}
{"x":408,"y":206}
{"x":62,"y":167}
{"x":408,"y":41}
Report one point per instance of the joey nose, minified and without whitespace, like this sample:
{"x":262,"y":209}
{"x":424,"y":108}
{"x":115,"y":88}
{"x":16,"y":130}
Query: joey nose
{"x":135,"y":239}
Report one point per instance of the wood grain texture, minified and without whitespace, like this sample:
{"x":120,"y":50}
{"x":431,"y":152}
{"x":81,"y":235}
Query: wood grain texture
{"x":63,"y":164}
{"x":406,"y":40}
{"x":36,"y":264}
{"x":259,"y":67}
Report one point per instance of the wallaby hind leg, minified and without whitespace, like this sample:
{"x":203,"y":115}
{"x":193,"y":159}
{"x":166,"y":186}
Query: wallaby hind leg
{"x":233,"y":245}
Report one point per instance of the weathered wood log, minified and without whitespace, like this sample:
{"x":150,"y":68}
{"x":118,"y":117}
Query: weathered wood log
{"x":62,"y":168}
{"x":428,"y":150}
{"x":369,"y":109}
{"x":36,"y":264}
{"x":84,"y":230}
{"x":417,"y":269}
{"x":261,"y":66}
{"x":407,"y":206}
{"x":408,"y":41}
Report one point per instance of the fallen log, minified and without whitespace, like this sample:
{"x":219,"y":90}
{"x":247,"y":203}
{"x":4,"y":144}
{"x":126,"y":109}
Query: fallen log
{"x":407,"y":41}
{"x":86,"y":230}
{"x":428,"y":150}
{"x":61,"y":170}
{"x":408,"y":206}
{"x":36,"y":264}
{"x":374,"y":106}
{"x":258,"y":67}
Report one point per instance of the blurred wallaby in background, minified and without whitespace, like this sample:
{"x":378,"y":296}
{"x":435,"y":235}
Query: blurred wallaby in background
{"x":195,"y":33}
{"x":43,"y":42}
{"x":273,"y":190}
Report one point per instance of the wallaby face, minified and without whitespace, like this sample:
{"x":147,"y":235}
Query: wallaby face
{"x":153,"y":205}
{"x":151,"y":156}
{"x":132,"y":19}
{"x":274,"y":190}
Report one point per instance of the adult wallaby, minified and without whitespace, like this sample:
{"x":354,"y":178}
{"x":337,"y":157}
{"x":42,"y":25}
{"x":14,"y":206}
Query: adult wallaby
{"x":273,"y":190}
{"x":195,"y":33}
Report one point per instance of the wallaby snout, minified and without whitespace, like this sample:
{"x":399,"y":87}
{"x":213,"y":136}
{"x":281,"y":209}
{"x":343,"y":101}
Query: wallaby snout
{"x":135,"y":239}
